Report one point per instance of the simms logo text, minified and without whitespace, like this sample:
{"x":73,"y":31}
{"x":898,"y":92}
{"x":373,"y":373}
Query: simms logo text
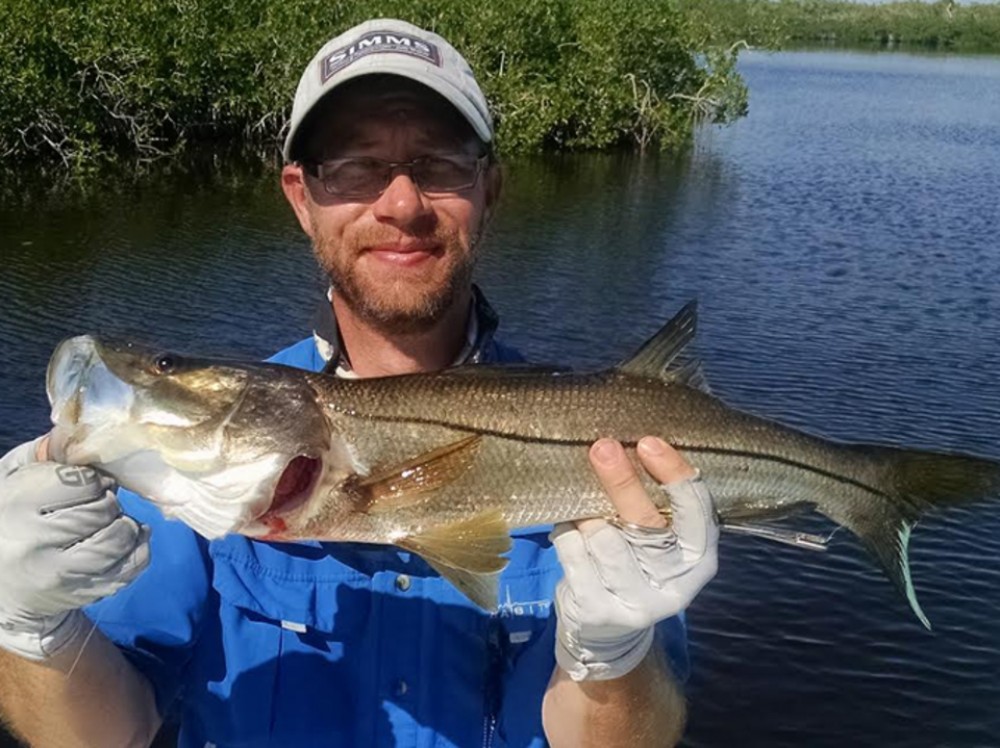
{"x":377,"y":42}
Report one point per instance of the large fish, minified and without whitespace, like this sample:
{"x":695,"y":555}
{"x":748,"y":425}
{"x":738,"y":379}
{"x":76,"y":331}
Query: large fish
{"x":445,"y":464}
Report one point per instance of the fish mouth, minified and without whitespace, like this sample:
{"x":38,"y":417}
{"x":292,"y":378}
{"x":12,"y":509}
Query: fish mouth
{"x":66,"y":375}
{"x":294,"y":488}
{"x":78,"y":380}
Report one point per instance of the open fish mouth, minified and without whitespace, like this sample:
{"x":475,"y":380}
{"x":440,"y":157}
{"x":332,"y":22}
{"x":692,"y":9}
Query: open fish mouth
{"x":296,"y":484}
{"x":186,"y":434}
{"x":292,"y":492}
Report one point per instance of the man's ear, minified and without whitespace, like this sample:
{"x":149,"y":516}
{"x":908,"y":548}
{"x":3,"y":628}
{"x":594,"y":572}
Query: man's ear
{"x":293,"y":184}
{"x":494,"y":188}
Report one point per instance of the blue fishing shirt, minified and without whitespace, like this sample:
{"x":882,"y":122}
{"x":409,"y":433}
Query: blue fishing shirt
{"x":250,"y":644}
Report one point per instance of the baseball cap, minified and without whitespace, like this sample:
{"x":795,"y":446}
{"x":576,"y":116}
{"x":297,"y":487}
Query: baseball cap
{"x":390,"y":46}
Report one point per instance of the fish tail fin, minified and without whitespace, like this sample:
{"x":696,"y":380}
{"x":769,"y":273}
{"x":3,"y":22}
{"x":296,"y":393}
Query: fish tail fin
{"x":913,"y":482}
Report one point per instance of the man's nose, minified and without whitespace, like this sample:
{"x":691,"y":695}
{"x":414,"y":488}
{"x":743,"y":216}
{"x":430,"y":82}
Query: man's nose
{"x":403,"y":204}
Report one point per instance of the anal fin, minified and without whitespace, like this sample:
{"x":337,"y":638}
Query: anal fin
{"x":778,"y":535}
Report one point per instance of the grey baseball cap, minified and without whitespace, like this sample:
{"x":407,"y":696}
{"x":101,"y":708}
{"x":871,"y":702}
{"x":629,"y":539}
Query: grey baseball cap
{"x":393,"y":47}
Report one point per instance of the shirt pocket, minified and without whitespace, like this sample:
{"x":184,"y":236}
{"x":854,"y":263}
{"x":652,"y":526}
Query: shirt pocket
{"x":279,"y":665}
{"x":301,"y":592}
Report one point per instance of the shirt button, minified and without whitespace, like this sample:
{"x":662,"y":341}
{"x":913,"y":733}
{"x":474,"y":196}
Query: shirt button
{"x":403,"y":584}
{"x":401,"y":688}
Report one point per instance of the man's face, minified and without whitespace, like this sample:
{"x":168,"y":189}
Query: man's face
{"x":401,"y":259}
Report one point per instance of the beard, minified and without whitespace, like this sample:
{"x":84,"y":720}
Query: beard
{"x":402,"y":305}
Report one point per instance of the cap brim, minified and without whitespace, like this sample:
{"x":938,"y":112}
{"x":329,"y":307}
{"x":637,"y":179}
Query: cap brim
{"x":452,"y":95}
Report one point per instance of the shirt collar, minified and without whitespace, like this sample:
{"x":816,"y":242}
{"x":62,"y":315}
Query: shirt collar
{"x":480,"y":328}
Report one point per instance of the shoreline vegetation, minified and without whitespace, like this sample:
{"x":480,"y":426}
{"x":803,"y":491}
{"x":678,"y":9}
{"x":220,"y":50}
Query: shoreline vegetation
{"x":87,"y":85}
{"x":944,"y":25}
{"x":108,"y":87}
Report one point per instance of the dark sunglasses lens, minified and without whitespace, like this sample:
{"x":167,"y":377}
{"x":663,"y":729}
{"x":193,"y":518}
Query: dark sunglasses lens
{"x":444,"y":174}
{"x":355,"y":178}
{"x":367,"y":177}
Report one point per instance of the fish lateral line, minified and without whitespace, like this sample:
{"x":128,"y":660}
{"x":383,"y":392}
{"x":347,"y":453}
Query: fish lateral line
{"x":786,"y":461}
{"x":631,"y":443}
{"x":476,"y":431}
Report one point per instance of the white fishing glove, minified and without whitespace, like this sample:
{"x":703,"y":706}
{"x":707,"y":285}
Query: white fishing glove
{"x":64,"y":543}
{"x":620,"y":579}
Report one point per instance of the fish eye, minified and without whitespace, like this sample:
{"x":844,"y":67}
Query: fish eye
{"x":165,"y":363}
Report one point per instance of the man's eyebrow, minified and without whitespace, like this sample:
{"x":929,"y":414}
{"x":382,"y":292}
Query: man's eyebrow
{"x":360,"y":142}
{"x":436,"y":143}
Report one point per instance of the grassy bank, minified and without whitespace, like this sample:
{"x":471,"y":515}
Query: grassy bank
{"x":85,"y":82}
{"x":774,"y":23}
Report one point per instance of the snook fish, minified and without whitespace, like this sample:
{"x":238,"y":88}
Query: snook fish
{"x":445,"y":464}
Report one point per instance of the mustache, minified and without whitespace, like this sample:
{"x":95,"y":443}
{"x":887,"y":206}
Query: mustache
{"x":373,"y":235}
{"x":370,"y":236}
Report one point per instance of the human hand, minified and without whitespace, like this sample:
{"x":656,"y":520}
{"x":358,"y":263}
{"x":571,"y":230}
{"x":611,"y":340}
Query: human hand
{"x":623,"y":576}
{"x":64,"y":543}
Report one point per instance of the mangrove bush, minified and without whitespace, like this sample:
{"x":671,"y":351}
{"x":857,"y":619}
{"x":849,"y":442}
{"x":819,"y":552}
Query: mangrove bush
{"x":86,"y":81}
{"x":942,"y":25}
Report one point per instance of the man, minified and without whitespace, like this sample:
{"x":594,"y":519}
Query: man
{"x":391,"y":174}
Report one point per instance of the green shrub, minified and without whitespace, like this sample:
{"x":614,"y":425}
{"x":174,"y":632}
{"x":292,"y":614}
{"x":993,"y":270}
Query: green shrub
{"x":772,"y":23}
{"x":89,"y":81}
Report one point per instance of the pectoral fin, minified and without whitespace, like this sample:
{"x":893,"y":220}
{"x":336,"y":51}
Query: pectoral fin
{"x":467,"y":553}
{"x":397,"y":486}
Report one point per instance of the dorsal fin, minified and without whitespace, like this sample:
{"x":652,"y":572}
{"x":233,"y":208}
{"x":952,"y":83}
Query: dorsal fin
{"x":658,"y":358}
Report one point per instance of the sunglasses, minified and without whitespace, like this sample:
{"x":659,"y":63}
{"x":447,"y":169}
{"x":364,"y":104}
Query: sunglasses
{"x":365,"y":177}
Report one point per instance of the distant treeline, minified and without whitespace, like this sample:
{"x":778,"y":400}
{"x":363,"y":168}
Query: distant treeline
{"x":944,"y":25}
{"x":85,"y":82}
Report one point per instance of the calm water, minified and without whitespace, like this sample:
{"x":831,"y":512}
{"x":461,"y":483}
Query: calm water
{"x":842,"y":241}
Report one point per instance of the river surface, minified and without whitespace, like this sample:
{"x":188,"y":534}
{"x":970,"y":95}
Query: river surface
{"x":843,"y":243}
